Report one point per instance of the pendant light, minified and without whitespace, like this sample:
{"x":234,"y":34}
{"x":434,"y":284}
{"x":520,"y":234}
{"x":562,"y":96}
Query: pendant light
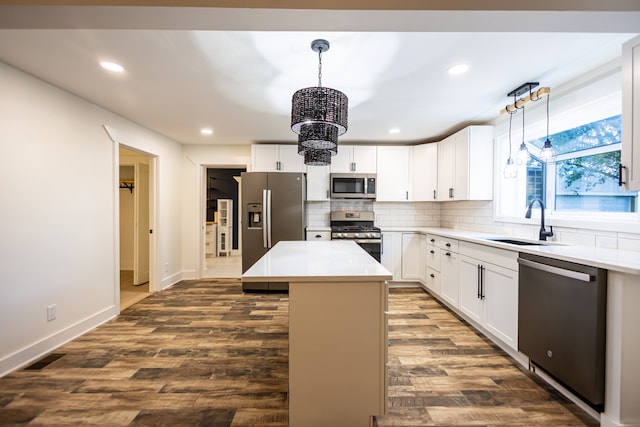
{"x":523,"y":153}
{"x":319,"y":114}
{"x":510,"y":170}
{"x":548,"y":153}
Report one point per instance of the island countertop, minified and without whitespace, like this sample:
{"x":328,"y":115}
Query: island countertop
{"x":315,"y":261}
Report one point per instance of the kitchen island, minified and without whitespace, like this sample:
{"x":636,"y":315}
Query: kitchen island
{"x":337,"y":330}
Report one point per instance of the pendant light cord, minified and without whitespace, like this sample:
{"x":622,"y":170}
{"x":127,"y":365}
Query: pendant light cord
{"x":523,"y":124}
{"x":319,"y":67}
{"x":511,"y":113}
{"x":548,"y":96}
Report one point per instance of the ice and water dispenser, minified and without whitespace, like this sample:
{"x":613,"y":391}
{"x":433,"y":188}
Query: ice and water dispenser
{"x":254,"y":211}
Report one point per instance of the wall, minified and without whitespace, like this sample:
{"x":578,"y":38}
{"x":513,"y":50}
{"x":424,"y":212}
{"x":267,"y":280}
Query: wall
{"x":194,"y":160}
{"x":59,"y":228}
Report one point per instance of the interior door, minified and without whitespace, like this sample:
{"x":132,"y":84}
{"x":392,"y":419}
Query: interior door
{"x":141,"y":236}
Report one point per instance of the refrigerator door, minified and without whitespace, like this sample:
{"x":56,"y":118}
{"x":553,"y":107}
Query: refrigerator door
{"x":287,"y":216}
{"x":254,"y":187}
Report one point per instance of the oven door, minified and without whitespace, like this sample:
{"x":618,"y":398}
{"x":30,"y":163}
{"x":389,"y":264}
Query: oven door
{"x":372,"y":246}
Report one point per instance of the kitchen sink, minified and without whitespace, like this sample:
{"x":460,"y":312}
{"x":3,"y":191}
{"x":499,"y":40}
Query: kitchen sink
{"x":517,"y":242}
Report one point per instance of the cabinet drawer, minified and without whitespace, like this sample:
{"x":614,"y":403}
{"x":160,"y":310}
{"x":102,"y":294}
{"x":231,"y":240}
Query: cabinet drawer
{"x":502,"y":257}
{"x":448,"y":244}
{"x":433,"y":281}
{"x":318,"y":235}
{"x":433,"y":257}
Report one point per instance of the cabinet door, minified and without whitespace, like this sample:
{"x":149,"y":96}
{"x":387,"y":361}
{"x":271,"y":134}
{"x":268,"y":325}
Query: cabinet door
{"x":469,"y":288}
{"x":364,"y":158}
{"x":449,"y":277}
{"x":290,"y":160}
{"x":318,"y":184}
{"x":342,"y":161}
{"x":501,"y":303}
{"x":631,"y":114}
{"x":413,"y":246}
{"x":424,"y":173}
{"x":446,"y":169}
{"x":264,"y":158}
{"x":391,"y":257}
{"x":461,"y":168}
{"x":393,"y":174}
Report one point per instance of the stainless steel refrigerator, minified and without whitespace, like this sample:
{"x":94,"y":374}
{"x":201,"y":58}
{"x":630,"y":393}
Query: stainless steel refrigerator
{"x":273,"y":210}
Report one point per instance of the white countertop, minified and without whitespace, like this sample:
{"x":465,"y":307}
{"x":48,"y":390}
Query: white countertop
{"x":316,"y":261}
{"x":611,"y":259}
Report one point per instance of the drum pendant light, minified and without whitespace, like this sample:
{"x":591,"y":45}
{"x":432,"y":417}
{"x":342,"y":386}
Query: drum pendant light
{"x":319,"y":115}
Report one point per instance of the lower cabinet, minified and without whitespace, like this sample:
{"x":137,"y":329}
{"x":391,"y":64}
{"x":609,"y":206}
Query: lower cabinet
{"x":449,"y":265}
{"x":414,"y":248}
{"x":488,"y":293}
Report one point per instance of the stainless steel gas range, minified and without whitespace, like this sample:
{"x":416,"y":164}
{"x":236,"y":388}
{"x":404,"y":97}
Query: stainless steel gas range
{"x":357,"y":226}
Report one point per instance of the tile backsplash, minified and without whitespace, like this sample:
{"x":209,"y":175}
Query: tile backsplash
{"x":465,"y":215}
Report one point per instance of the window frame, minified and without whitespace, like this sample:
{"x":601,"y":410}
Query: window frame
{"x":603,"y":101}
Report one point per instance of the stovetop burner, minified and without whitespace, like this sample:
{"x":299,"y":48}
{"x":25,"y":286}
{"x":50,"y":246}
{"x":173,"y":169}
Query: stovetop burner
{"x":354,"y":225}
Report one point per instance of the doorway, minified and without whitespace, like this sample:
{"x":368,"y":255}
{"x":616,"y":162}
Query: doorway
{"x":222,"y":251}
{"x":134,"y":196}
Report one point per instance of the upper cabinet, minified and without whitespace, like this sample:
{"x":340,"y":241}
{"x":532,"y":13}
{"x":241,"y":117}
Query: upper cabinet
{"x":356,"y":159}
{"x":630,"y":174}
{"x":276,"y":158}
{"x":393,"y":174}
{"x":318,"y":185}
{"x":424,"y":173}
{"x":465,"y":165}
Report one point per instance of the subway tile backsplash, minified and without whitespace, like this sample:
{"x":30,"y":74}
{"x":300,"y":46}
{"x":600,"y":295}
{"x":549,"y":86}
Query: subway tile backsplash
{"x":465,"y":215}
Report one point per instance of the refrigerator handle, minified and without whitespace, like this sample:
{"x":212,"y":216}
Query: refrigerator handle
{"x":268,"y":219}
{"x":265,"y":218}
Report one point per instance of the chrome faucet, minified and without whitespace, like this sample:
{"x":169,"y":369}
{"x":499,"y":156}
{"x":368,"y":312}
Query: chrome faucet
{"x":543,"y":232}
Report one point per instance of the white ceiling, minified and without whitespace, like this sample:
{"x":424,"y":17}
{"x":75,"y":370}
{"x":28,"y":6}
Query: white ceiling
{"x":240,"y":83}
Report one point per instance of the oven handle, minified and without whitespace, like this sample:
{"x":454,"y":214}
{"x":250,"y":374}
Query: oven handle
{"x":366,"y":240}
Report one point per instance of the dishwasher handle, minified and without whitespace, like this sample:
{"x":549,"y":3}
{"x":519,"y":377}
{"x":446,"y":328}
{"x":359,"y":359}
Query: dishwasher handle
{"x":584,"y":277}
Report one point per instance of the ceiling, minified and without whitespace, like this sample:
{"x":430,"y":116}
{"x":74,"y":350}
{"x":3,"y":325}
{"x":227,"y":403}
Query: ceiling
{"x":238,"y":79}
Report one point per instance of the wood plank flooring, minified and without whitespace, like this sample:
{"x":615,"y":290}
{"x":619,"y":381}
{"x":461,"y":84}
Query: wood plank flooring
{"x":204,"y":354}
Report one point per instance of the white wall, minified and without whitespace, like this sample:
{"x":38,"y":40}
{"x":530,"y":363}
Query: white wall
{"x":194,"y":160}
{"x":59,"y":227}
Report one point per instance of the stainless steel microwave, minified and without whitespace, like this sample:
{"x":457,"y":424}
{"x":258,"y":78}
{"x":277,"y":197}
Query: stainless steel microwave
{"x":353,"y":186}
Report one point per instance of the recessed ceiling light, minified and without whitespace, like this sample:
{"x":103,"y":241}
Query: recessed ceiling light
{"x":394,"y":130}
{"x":206,"y":131}
{"x":112,"y":66}
{"x":458,"y":69}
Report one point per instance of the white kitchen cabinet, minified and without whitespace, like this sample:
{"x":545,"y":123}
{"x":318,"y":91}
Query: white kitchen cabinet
{"x":391,"y":257}
{"x":225,"y":227}
{"x":393,"y":172}
{"x":414,"y":248}
{"x":488,"y":290}
{"x":317,"y":234}
{"x":631,"y":114}
{"x":465,"y":165}
{"x":210,"y":239}
{"x":318,"y":183}
{"x":449,"y":274}
{"x":276,"y":158}
{"x":354,"y":159}
{"x":424,"y":173}
{"x":432,"y":255}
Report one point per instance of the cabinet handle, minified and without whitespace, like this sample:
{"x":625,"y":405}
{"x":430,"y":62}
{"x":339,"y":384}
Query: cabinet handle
{"x":434,"y":194}
{"x":620,"y":169}
{"x":406,"y":196}
{"x":432,"y":251}
{"x":448,"y":245}
{"x":478,"y":282}
{"x":278,"y":165}
{"x":327,"y":194}
{"x":482,"y":282}
{"x":433,"y":240}
{"x":448,"y":254}
{"x":432,"y":275}
{"x":318,"y":236}
{"x":451,"y":193}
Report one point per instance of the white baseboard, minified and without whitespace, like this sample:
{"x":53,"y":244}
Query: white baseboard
{"x":37,"y":350}
{"x":169,"y":281}
{"x":605,"y":421}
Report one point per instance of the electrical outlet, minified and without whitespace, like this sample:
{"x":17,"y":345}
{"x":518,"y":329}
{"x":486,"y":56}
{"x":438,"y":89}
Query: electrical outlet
{"x":51,"y":312}
{"x":166,"y":267}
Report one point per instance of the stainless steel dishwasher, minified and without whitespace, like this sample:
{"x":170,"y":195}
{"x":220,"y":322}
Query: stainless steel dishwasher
{"x":561,"y":322}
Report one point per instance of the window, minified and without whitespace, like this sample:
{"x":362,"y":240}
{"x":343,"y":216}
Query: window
{"x":580,"y":188}
{"x":585,"y":172}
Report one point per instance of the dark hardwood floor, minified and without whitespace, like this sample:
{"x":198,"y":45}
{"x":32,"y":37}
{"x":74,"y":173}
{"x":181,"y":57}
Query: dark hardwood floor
{"x":204,"y":354}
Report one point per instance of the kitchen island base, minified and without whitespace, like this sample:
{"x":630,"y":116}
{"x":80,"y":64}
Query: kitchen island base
{"x":337,"y":353}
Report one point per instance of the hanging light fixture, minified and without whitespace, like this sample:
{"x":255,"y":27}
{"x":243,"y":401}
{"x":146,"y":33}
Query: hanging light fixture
{"x":319,"y":114}
{"x":523,"y":153}
{"x":548,"y":153}
{"x":314,"y":156}
{"x":510,"y":170}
